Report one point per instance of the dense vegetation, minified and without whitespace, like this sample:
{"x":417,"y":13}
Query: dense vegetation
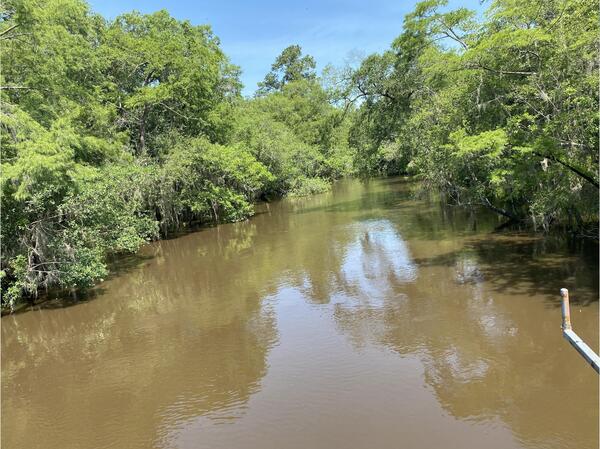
{"x":501,"y":112}
{"x":117,"y":132}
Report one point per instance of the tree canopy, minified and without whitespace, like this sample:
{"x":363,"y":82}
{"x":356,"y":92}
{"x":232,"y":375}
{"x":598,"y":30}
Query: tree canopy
{"x":289,"y":66}
{"x":117,"y":132}
{"x":500,"y":113}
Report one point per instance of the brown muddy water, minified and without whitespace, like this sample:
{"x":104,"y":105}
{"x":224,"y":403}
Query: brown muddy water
{"x":362,"y":318}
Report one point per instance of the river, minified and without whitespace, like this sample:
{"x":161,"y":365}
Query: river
{"x":360,"y":318}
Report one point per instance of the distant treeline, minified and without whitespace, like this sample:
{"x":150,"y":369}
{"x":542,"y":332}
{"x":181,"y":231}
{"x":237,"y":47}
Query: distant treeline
{"x":115,"y":133}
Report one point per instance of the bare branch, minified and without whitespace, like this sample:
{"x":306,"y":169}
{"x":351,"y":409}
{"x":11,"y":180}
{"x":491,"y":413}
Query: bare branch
{"x":9,"y":29}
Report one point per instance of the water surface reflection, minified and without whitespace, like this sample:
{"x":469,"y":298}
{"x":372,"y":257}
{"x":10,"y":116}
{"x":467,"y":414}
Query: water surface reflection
{"x":360,"y":318}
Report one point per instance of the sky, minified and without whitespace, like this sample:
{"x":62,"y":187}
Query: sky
{"x":253,"y":33}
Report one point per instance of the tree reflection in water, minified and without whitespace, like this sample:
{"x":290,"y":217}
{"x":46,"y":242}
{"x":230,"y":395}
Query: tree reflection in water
{"x":317,"y":312}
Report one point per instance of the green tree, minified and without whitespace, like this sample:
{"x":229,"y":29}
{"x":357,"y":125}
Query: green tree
{"x":289,"y":66}
{"x":164,"y":75}
{"x":500,"y":113}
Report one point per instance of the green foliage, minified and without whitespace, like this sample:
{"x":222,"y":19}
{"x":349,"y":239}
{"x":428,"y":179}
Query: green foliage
{"x":164,"y":74}
{"x":309,"y":186}
{"x":114,"y":133}
{"x":289,"y":66}
{"x":501,"y":112}
{"x":296,"y":133}
{"x":207,"y":180}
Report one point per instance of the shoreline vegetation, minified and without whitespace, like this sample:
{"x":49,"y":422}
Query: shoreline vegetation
{"x":118,"y":132}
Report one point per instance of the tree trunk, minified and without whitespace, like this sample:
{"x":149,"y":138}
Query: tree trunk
{"x":575,"y":170}
{"x":142,"y":131}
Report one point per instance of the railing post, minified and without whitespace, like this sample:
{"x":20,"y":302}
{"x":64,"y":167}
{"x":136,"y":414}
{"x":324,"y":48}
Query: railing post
{"x":566,"y":309}
{"x":586,"y":352}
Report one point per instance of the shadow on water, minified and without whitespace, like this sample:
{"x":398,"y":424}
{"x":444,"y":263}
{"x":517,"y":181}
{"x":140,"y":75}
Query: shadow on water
{"x":118,"y":265}
{"x":521,"y":264}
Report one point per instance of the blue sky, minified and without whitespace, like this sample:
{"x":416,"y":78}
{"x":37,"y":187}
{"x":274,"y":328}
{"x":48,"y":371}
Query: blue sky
{"x":253,"y":33}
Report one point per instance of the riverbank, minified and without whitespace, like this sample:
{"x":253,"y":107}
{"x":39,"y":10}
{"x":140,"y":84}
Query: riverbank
{"x":117,"y":264}
{"x":114,"y":262}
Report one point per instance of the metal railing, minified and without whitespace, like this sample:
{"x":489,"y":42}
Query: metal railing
{"x":586,"y":352}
